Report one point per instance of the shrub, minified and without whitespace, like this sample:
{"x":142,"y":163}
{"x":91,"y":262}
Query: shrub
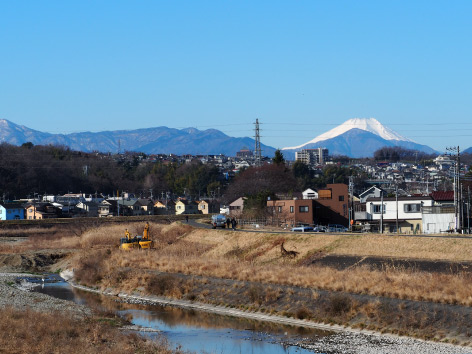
{"x":339,"y":304}
{"x":255,"y":294}
{"x":90,"y":267}
{"x":161,"y":284}
{"x":303,"y":313}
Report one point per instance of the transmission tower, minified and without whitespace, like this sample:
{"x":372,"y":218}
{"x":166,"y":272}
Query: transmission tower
{"x":257,"y":150}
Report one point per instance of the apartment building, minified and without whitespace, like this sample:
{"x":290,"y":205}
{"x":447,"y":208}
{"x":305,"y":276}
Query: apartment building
{"x":312,"y":157}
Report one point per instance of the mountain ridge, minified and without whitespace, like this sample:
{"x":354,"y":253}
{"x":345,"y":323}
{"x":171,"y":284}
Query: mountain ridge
{"x":358,"y":137}
{"x":148,"y":140}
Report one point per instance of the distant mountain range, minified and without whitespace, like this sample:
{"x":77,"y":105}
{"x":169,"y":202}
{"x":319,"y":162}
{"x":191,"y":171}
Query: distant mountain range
{"x":160,"y":140}
{"x":359,"y":137}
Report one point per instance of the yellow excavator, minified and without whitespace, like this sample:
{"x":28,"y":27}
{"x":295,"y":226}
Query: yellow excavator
{"x":141,"y":242}
{"x":145,"y":242}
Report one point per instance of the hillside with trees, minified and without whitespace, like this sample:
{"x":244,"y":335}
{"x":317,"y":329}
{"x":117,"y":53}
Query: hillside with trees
{"x":29,"y":170}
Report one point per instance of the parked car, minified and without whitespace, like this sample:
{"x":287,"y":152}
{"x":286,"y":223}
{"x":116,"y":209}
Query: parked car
{"x":302,"y":229}
{"x":319,"y":229}
{"x":337,"y":228}
{"x":218,"y":220}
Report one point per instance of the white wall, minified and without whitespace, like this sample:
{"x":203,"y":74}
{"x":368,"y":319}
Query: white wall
{"x":435,"y":223}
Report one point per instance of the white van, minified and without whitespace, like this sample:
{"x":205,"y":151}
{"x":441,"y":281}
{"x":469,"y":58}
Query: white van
{"x":218,"y":220}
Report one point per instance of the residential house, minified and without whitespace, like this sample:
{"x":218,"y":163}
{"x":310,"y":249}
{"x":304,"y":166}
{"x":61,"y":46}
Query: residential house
{"x":331,"y":207}
{"x":385,"y":213}
{"x":11,"y":211}
{"x":208,"y":207}
{"x":292,"y":212}
{"x":310,"y":194}
{"x":441,"y":216}
{"x":37,"y":211}
{"x":186,"y":207}
{"x":89,"y":209}
{"x":372,"y":192}
{"x":146,"y":207}
{"x":164,"y":207}
{"x":236,"y":207}
{"x":134,"y":207}
{"x":129,"y":207}
{"x":107,"y":208}
{"x":332,"y":200}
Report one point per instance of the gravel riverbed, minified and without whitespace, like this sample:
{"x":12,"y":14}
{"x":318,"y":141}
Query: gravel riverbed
{"x":21,"y":296}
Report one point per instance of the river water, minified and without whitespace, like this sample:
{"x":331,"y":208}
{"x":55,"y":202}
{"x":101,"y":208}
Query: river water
{"x":191,"y":330}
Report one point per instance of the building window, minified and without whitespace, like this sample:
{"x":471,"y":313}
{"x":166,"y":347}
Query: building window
{"x":303,"y":209}
{"x":341,"y":198}
{"x":412,"y":208}
{"x":376,"y":208}
{"x":291,"y":209}
{"x":279,"y":209}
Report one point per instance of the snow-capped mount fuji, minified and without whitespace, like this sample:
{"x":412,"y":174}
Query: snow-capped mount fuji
{"x":359,"y":137}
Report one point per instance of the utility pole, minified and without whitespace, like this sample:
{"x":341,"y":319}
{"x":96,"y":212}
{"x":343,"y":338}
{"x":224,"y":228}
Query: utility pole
{"x":118,"y":202}
{"x":396,"y":203}
{"x":457,"y":201}
{"x":468,"y":209}
{"x":381,"y":212}
{"x":351,"y":202}
{"x":257,"y":150}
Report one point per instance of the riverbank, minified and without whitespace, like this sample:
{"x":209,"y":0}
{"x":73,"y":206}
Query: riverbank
{"x":32,"y":322}
{"x":20,"y":296}
{"x":345,"y":340}
{"x":365,"y":282}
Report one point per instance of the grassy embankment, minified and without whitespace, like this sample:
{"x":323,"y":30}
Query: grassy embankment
{"x":256,"y":257}
{"x":265,"y":281}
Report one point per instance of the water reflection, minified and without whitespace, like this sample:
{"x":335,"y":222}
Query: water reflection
{"x":193,"y":330}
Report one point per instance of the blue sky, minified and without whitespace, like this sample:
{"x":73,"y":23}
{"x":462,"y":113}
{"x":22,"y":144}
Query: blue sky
{"x":300,"y":67}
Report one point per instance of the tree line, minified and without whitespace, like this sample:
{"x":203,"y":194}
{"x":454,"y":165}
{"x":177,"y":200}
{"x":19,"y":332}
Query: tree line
{"x":28,"y":170}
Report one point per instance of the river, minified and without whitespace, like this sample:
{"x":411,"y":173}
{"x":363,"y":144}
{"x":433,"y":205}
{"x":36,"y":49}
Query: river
{"x":191,"y":330}
{"x":204,"y":332}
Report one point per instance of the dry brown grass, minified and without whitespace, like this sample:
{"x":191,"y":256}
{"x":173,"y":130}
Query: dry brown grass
{"x":256,"y":257}
{"x":51,"y":240}
{"x":445,"y":288}
{"x":27,"y":331}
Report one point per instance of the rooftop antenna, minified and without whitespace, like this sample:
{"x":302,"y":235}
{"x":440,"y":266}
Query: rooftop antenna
{"x":257,"y":150}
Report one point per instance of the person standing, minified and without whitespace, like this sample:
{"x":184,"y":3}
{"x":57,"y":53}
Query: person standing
{"x":228,"y":222}
{"x":233,"y":223}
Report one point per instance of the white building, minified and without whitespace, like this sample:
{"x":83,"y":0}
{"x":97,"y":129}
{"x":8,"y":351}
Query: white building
{"x":310,"y":194}
{"x":312,"y":157}
{"x":407,"y":212}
